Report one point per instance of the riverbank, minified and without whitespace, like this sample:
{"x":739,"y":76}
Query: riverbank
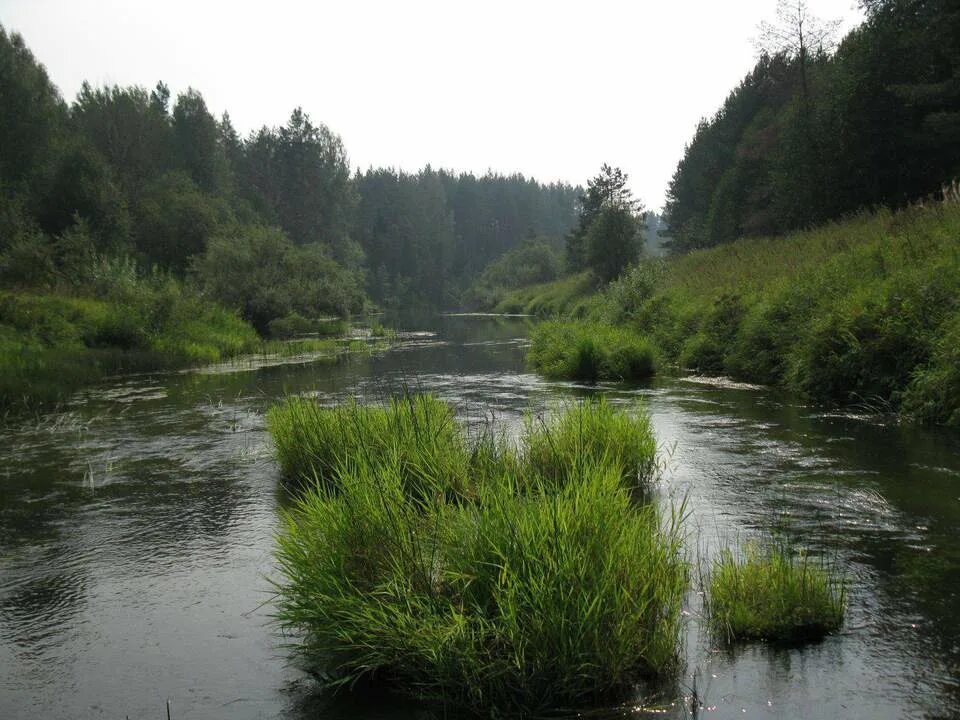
{"x":863,"y":312}
{"x":52,"y":344}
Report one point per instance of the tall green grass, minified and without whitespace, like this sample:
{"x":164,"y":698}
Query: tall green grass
{"x":582,"y":350}
{"x":591,"y":433}
{"x":863,"y":311}
{"x":772,"y":593}
{"x":418,"y":434}
{"x":523,"y":594}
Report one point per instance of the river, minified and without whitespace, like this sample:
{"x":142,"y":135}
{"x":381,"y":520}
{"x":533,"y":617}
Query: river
{"x":137,"y":526}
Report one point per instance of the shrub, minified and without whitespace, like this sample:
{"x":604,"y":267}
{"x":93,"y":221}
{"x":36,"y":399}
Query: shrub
{"x":775,"y":594}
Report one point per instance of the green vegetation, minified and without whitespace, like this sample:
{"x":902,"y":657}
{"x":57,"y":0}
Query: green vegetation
{"x":581,"y":350}
{"x":812,"y":135}
{"x":418,"y":432}
{"x":864,"y":311}
{"x":533,"y":262}
{"x":593,"y":433}
{"x":567,"y":296}
{"x":772,"y":593}
{"x":273,"y":228}
{"x":498,"y":579}
{"x":51,"y":344}
{"x":296,"y":325}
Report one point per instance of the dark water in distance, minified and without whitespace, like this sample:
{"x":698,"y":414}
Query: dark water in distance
{"x":136,"y":537}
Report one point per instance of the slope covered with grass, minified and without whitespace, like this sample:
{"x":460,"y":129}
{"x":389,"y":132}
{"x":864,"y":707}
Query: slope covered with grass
{"x":865,"y":311}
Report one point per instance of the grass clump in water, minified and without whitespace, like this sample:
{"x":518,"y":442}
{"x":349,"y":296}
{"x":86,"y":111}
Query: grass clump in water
{"x":772,"y":593}
{"x":586,"y":433}
{"x":590,"y":351}
{"x":519,"y":596}
{"x":416,"y":433}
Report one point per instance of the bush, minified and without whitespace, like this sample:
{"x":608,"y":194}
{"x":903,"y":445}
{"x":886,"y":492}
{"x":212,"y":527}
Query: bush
{"x":590,"y":351}
{"x":933,"y":394}
{"x":772,"y":593}
{"x":533,"y":262}
{"x":525,"y":596}
{"x":259,"y":272}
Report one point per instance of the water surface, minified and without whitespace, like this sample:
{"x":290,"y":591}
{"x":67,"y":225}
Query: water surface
{"x":136,"y":537}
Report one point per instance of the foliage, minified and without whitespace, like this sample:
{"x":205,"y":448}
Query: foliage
{"x":264,"y":276}
{"x":533,"y":262}
{"x":517,"y":597}
{"x":808,"y":137}
{"x":51,"y":344}
{"x":772,"y":593}
{"x":428,"y":235}
{"x":590,"y":351}
{"x":612,"y":242}
{"x":862,"y":311}
{"x":607,"y":191}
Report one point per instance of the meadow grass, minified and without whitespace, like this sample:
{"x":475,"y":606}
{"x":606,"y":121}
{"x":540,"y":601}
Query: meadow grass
{"x":522,"y":594}
{"x":773,"y":593}
{"x":583,"y":350}
{"x":862,"y":311}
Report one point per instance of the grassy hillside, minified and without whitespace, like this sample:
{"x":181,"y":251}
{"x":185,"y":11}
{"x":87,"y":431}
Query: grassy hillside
{"x":569,"y":295}
{"x":865,"y":311}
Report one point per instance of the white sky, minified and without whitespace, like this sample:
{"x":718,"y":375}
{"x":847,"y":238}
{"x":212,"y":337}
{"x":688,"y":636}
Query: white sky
{"x":550,"y":89}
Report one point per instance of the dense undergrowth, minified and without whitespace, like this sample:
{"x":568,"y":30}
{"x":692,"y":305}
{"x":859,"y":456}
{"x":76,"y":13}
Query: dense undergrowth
{"x":865,"y":311}
{"x":470,"y":571}
{"x":54,"y":341}
{"x":772,"y":593}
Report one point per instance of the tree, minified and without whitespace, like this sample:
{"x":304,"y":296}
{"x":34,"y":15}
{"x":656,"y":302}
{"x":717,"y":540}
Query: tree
{"x":196,"y":136}
{"x":613,"y":241}
{"x":175,"y":220}
{"x":795,"y":34}
{"x":607,"y":190}
{"x":33,"y":113}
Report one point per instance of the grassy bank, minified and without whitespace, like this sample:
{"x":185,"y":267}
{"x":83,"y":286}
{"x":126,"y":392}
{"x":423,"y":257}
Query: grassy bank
{"x":866,"y":311}
{"x":50,"y":344}
{"x":568,"y":296}
{"x":772,"y":593}
{"x":460,"y":569}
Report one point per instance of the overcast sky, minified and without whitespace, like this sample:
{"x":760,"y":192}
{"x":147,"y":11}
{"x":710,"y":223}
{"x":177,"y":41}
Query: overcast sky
{"x":550,"y":89}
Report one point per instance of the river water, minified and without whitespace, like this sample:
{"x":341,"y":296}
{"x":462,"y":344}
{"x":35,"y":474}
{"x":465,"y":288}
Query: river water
{"x":136,"y":538}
